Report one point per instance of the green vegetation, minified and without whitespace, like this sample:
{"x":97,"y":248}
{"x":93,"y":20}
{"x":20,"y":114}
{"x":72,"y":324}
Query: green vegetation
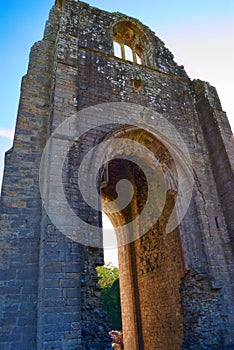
{"x":110,"y":295}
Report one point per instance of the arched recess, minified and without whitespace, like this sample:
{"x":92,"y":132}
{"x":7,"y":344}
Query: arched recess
{"x":150,"y":264}
{"x":132,"y":44}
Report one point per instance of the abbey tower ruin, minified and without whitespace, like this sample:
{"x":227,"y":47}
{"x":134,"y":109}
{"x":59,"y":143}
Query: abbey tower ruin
{"x":121,"y":86}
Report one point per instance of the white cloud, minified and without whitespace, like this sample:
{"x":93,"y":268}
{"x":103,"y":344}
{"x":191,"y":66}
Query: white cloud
{"x":8,"y":133}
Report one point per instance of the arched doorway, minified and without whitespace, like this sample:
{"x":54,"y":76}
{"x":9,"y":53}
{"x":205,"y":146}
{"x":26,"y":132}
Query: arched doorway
{"x":150,"y":261}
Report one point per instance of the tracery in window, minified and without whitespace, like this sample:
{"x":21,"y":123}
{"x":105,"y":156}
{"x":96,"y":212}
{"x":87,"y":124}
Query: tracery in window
{"x":130,"y":42}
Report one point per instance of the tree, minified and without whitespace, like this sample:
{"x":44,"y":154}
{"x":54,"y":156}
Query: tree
{"x":110,"y":294}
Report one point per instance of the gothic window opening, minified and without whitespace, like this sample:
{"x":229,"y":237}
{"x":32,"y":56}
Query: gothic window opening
{"x":127,"y":53}
{"x":129,"y":43}
{"x":117,"y":50}
{"x":138,"y":59}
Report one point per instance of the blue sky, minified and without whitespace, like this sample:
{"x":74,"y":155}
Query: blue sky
{"x":200,"y":34}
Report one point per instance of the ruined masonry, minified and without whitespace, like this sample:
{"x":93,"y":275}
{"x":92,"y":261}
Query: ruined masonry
{"x":176,"y":287}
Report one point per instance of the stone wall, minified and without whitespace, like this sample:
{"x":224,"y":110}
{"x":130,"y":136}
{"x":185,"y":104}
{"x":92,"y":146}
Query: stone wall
{"x":175,"y":288}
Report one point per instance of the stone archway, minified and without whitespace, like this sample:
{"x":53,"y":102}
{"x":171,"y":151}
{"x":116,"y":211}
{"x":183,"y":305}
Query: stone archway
{"x":151,"y":264}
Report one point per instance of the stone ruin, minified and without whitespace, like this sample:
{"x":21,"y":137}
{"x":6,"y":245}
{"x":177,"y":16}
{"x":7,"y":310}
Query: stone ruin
{"x":176,"y":274}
